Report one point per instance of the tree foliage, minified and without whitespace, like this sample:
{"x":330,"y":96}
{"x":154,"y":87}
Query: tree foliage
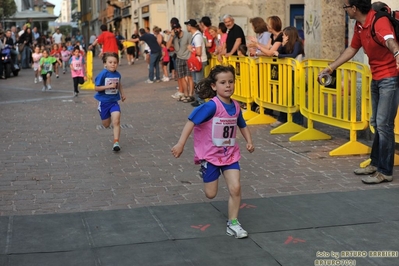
{"x":7,"y":8}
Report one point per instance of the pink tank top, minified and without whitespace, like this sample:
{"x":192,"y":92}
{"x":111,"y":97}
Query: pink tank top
{"x":215,"y":140}
{"x":36,"y":59}
{"x":77,"y":66}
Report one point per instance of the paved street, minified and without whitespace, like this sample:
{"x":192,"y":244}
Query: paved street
{"x":56,"y":157}
{"x":66,"y":199}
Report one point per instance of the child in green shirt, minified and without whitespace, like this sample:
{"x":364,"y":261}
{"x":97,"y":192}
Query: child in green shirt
{"x":46,"y":69}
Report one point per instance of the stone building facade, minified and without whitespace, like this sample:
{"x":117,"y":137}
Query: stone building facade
{"x":327,"y":29}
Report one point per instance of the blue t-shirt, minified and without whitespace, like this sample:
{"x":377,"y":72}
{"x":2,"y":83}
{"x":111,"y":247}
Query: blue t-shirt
{"x":105,"y":78}
{"x":206,"y":111}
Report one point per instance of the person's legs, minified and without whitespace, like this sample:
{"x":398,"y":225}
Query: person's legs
{"x":157,"y":70}
{"x":116,"y":123}
{"x":153,"y":59}
{"x":232,"y":177}
{"x":384,"y":94}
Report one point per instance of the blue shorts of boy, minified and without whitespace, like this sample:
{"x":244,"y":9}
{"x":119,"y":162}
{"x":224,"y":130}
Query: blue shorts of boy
{"x":211,"y":172}
{"x":106,"y":108}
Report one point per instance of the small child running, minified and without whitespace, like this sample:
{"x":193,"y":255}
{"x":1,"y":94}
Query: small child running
{"x":46,"y":65}
{"x":109,"y":92}
{"x":77,"y":64}
{"x":65,"y":56}
{"x":36,"y":59}
{"x":216,"y":150}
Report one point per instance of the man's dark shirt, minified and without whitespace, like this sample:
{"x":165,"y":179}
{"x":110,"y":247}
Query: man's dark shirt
{"x":151,"y":40}
{"x":232,"y":35}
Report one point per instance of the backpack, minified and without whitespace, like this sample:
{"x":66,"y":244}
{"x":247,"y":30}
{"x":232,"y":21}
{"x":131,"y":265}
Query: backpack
{"x":194,"y":62}
{"x":393,"y":16}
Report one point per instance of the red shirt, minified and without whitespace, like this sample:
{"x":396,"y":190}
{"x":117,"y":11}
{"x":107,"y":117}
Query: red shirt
{"x":108,"y":41}
{"x":381,"y":60}
{"x":209,"y":39}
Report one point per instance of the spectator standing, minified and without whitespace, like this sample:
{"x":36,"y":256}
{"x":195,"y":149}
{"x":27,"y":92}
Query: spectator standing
{"x":155,"y":55}
{"x":198,"y":46}
{"x":135,"y":35}
{"x":235,"y":36}
{"x":383,"y":55}
{"x":274,"y":26}
{"x":26,"y":40}
{"x":210,"y":44}
{"x":181,"y":40}
{"x":259,"y":26}
{"x":107,"y":40}
{"x":292,"y":47}
{"x":57,"y":37}
{"x":93,"y":37}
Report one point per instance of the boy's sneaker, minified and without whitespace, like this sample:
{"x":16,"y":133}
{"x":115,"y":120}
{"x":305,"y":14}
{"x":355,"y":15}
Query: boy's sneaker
{"x":49,"y":87}
{"x":234,"y":229}
{"x":57,"y":76}
{"x":40,"y":79}
{"x":44,"y":88}
{"x":35,"y":80}
{"x":116,"y":147}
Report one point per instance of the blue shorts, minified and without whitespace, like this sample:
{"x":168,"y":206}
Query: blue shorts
{"x":211,"y":172}
{"x":106,"y":108}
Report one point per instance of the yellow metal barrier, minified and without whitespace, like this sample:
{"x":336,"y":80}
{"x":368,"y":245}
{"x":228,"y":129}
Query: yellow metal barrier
{"x":336,"y":106}
{"x":243,"y":92}
{"x":276,"y":87}
{"x":89,"y":85}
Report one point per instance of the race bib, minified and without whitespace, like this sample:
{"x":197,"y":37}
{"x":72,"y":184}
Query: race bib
{"x":109,"y":81}
{"x":224,"y":131}
{"x":48,"y":67}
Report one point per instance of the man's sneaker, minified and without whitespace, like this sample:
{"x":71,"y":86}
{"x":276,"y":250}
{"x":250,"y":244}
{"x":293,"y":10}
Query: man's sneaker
{"x":234,"y":229}
{"x":44,"y":88}
{"x":376,"y":178}
{"x":116,"y":147}
{"x":49,"y":87}
{"x":149,"y":81}
{"x":157,"y":80}
{"x":35,"y":80}
{"x":368,"y":170}
{"x":177,"y":95}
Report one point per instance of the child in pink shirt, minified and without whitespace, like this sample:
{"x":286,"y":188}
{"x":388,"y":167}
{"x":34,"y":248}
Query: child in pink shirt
{"x":77,"y":65}
{"x":215,"y":125}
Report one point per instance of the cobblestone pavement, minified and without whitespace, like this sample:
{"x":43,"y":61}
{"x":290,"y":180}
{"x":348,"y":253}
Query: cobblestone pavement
{"x":56,"y":158}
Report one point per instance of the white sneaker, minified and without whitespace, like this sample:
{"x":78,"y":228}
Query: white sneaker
{"x":165,"y":79}
{"x":149,"y":81}
{"x":44,"y":88}
{"x":35,"y":80}
{"x":49,"y":87}
{"x":40,"y":79}
{"x":234,"y":229}
{"x":177,"y":95}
